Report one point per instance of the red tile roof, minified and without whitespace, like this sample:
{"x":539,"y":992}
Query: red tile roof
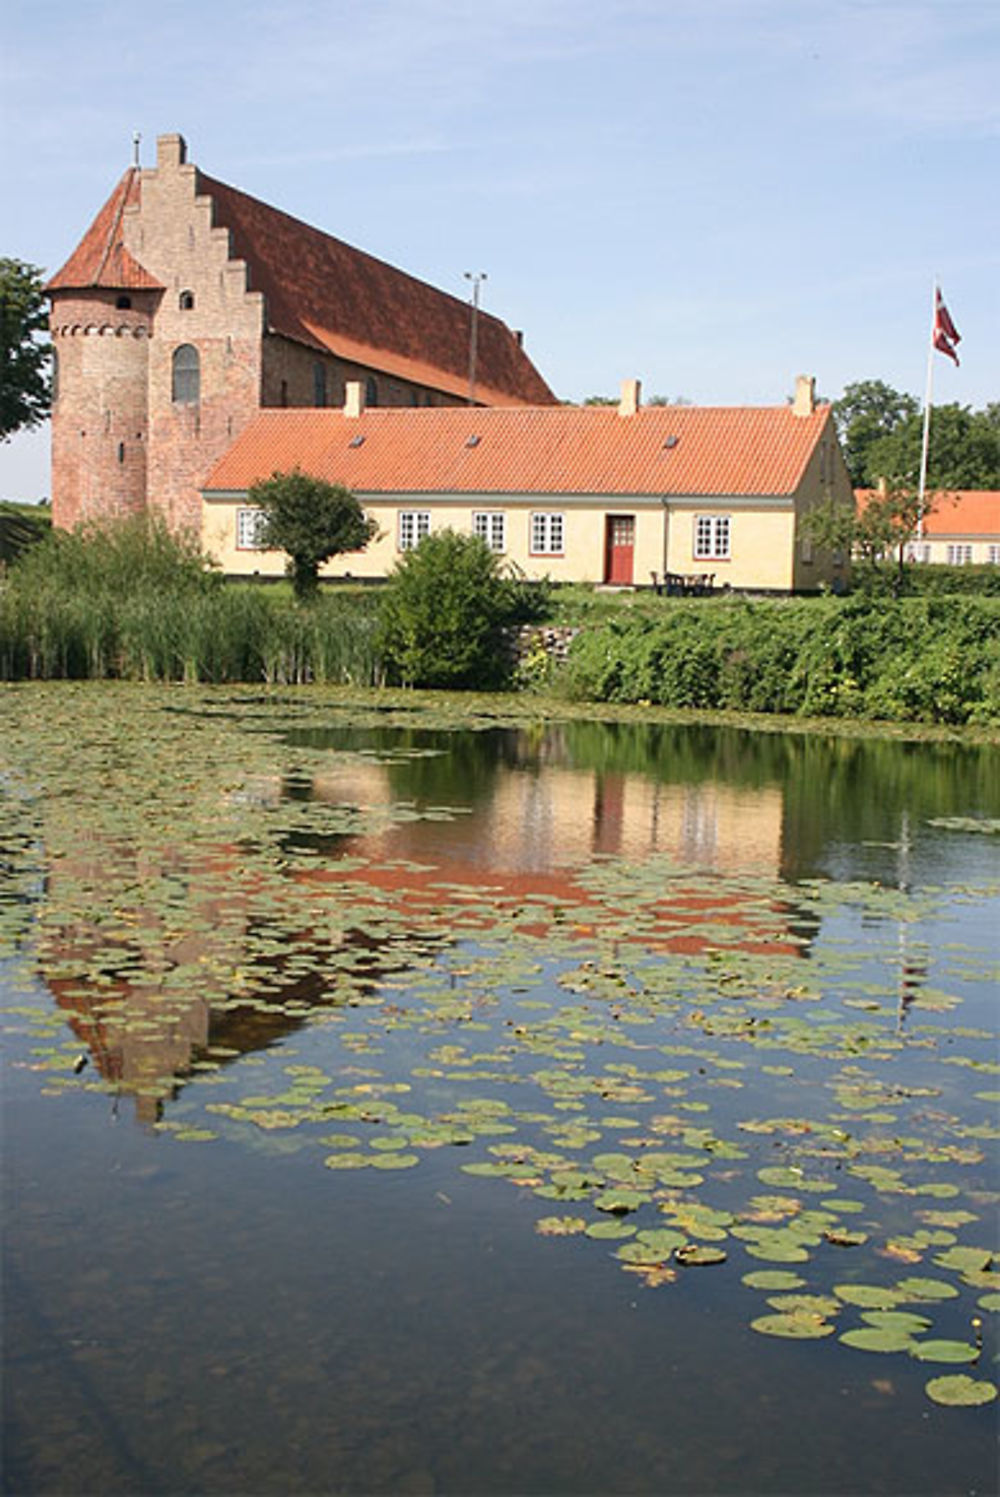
{"x":957,"y":512}
{"x":324,"y":293}
{"x":329,"y":296}
{"x":101,"y":259}
{"x":676,"y":450}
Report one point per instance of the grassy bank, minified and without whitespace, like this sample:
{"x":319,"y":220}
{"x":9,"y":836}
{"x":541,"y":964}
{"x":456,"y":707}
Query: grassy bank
{"x":134,"y":602}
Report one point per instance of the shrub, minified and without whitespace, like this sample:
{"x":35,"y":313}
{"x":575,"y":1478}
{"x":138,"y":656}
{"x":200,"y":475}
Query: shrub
{"x":446,"y":611}
{"x":932,"y":659}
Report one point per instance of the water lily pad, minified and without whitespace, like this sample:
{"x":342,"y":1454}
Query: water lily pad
{"x":960,"y":1391}
{"x":612,"y":1229}
{"x":878,"y":1338}
{"x":698,"y":1255}
{"x":560,"y":1226}
{"x":897,"y":1320}
{"x":773,"y":1278}
{"x":945,"y":1351}
{"x":795,"y":1327}
{"x":870,"y":1296}
{"x":917,"y":1290}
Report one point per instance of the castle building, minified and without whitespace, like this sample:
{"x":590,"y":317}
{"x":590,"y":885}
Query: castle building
{"x":188,"y":307}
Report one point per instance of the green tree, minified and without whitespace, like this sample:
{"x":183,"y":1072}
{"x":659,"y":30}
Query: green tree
{"x":25,"y":387}
{"x":445,"y":611}
{"x":875,"y":533}
{"x":310,"y":520}
{"x":964,"y":450}
{"x":868,"y":411}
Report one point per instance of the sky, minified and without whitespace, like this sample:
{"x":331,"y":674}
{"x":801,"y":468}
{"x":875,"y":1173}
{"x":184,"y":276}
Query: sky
{"x":710,"y":195}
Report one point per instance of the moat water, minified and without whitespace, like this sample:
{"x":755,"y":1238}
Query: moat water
{"x":408,"y":1098}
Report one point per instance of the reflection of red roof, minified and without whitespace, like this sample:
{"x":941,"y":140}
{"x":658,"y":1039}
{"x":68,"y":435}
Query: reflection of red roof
{"x":675,"y":450}
{"x":673,"y":923}
{"x":101,"y":259}
{"x":324,"y":293}
{"x":957,"y":512}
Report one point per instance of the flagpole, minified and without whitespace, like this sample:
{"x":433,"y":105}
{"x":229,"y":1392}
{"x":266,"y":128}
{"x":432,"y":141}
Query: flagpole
{"x":928,"y":395}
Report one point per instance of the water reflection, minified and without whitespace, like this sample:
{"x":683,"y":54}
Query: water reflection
{"x":169,"y":958}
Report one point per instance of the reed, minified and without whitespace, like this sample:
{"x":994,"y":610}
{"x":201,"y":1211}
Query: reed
{"x":131,"y":600}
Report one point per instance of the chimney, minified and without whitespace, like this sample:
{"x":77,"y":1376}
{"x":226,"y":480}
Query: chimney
{"x":804,"y":402}
{"x":354,"y":398}
{"x":171,"y":151}
{"x":631,"y":397}
{"x":518,"y":337}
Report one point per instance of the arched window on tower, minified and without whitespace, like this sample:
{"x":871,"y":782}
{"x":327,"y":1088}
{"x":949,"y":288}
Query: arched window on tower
{"x":371,"y":391}
{"x":186,"y":383}
{"x":186,"y":302}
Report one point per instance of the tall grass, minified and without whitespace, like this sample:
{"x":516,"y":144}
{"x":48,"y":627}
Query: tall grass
{"x":131,"y":600}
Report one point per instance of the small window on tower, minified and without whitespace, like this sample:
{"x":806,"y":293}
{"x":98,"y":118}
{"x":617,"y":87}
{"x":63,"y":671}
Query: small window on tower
{"x":187,"y":301}
{"x":123,"y":303}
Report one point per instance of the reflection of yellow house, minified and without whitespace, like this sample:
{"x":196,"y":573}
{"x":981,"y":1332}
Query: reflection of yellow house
{"x":619,"y":495}
{"x":543,"y":818}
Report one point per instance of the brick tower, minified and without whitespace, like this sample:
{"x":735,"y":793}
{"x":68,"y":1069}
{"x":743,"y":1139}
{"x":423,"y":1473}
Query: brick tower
{"x":101,"y":322}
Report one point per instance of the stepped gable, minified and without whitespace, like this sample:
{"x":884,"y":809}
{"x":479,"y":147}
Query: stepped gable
{"x":673,"y":451}
{"x":101,"y":259}
{"x":322,"y":292}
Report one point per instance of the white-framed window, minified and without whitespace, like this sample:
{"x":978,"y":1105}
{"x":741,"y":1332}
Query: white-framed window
{"x":959,"y":556}
{"x":491,"y":526}
{"x":248,"y":529}
{"x":918,"y":551}
{"x":414,"y":524}
{"x":993,"y":555}
{"x":547,"y":533}
{"x":711,"y":537}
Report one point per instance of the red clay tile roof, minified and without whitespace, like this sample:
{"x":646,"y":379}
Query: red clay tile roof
{"x":326,"y":294}
{"x":542,"y":450}
{"x":957,"y":512}
{"x":101,"y":259}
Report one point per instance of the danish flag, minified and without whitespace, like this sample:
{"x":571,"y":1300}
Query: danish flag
{"x":945,"y":336}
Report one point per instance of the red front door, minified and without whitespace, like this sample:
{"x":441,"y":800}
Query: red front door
{"x":619,"y":549}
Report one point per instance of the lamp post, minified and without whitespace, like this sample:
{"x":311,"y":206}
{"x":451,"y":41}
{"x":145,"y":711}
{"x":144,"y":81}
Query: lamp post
{"x":476,"y":277}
